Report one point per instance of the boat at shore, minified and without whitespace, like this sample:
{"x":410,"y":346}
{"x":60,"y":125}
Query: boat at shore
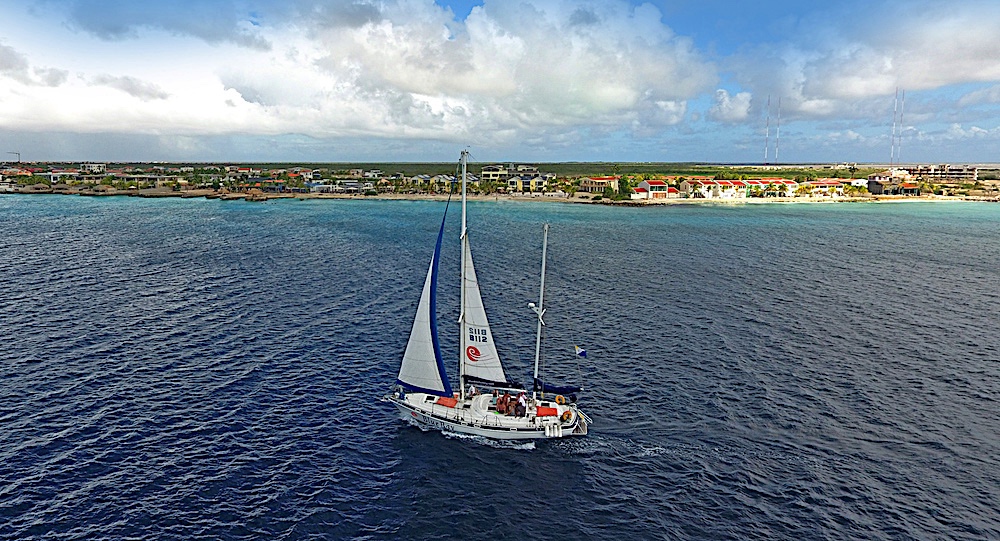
{"x":499,"y":409}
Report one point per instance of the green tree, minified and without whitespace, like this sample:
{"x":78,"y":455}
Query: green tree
{"x":624,"y":189}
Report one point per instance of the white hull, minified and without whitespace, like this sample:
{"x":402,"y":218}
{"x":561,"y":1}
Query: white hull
{"x":476,"y":416}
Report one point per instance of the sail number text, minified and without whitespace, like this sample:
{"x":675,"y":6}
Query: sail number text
{"x":477,"y":335}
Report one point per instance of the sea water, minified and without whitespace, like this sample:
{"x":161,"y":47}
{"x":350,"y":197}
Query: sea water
{"x":183,"y":369}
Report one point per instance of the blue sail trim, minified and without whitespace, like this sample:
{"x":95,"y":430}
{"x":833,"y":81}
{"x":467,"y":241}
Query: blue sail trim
{"x":433,"y":311}
{"x":557,"y":389}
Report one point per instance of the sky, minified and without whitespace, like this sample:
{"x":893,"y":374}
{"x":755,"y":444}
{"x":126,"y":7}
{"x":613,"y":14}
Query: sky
{"x":511,"y":80}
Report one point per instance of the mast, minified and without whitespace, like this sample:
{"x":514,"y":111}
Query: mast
{"x":462,"y":324}
{"x":539,"y":309}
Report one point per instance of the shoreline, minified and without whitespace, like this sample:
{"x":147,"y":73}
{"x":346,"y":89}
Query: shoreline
{"x":262,"y":197}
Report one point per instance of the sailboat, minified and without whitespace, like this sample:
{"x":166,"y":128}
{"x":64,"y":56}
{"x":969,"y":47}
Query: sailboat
{"x":499,"y":409}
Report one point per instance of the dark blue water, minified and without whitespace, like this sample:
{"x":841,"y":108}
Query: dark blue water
{"x":182,"y":369}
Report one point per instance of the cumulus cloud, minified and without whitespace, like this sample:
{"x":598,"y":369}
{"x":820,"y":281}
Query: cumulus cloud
{"x":134,"y":87}
{"x":14,"y":64}
{"x":985,"y":95}
{"x":536,"y":73}
{"x":51,"y":76}
{"x":16,"y":67}
{"x":215,"y":22}
{"x":729,"y":108}
{"x":957,"y":131}
{"x":936,"y":50}
{"x":530,"y":65}
{"x":834,"y":74}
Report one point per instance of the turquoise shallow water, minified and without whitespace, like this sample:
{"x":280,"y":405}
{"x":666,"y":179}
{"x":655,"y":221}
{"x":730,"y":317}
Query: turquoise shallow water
{"x":180,"y":369}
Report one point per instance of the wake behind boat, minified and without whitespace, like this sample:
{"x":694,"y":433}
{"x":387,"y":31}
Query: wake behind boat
{"x":423,"y":393}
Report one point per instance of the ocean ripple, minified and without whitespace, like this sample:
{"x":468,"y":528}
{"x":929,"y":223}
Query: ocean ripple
{"x":178,"y":369}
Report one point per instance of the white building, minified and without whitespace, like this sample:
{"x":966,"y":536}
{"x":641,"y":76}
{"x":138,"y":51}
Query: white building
{"x":94,"y":168}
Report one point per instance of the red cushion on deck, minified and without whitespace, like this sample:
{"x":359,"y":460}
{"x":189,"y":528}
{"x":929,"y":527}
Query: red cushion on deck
{"x":546,"y":412}
{"x":447,"y":402}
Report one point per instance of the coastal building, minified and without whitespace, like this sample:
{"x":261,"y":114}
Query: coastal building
{"x":57,"y":176}
{"x":944,"y":172}
{"x":888,"y":182}
{"x":730,"y":189}
{"x":655,"y":189}
{"x":437,"y":183}
{"x":501,"y":173}
{"x":771,"y":187}
{"x":93,"y":168}
{"x":715,"y":189}
{"x":246,"y":172}
{"x":598,"y":184}
{"x":527,"y":184}
{"x":495,"y":173}
{"x":826,"y":187}
{"x":304,"y":173}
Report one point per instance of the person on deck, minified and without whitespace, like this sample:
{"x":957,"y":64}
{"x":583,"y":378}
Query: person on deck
{"x":503,"y":403}
{"x":522,"y":406}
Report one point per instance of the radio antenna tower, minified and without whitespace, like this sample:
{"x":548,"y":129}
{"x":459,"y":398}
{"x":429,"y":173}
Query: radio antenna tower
{"x":777,"y":132}
{"x":892,"y":142}
{"x":767,"y":129}
{"x":899,"y":144}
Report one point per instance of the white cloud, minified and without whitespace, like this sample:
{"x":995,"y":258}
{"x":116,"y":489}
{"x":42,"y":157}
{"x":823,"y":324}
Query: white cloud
{"x":15,"y":66}
{"x":399,"y":68}
{"x":956,"y":131}
{"x":932,"y":51}
{"x":217,"y":21}
{"x":986,"y":95}
{"x":137,"y":88}
{"x":517,"y":67}
{"x":729,"y":108}
{"x":823,"y":72}
{"x":535,"y":74}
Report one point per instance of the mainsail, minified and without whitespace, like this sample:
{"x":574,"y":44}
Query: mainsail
{"x":422,"y":369}
{"x":480,"y":358}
